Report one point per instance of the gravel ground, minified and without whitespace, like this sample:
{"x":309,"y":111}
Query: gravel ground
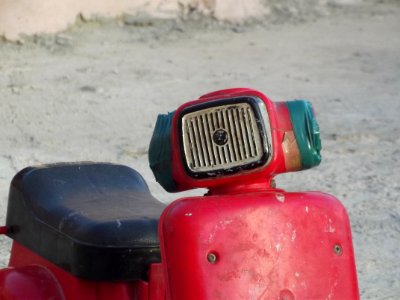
{"x":94,"y":91}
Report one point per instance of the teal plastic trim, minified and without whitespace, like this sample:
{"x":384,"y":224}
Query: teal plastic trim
{"x":160,"y":154}
{"x":306,"y":130}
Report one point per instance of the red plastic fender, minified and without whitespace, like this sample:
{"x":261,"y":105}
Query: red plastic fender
{"x":70,"y":286}
{"x":266,"y":245}
{"x":29,"y":282}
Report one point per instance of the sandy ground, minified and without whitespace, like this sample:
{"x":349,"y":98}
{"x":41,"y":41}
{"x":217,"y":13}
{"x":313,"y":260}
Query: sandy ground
{"x":94,"y":91}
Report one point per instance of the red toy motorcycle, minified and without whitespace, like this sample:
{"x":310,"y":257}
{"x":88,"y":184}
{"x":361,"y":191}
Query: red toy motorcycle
{"x":93,"y":230}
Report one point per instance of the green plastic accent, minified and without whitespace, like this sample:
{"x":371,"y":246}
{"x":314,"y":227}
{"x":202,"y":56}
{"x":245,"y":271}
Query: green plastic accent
{"x":160,"y":158}
{"x":306,"y":130}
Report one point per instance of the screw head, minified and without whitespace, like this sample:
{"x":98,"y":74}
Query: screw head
{"x":220,"y":137}
{"x":337,"y":249}
{"x":212,"y":258}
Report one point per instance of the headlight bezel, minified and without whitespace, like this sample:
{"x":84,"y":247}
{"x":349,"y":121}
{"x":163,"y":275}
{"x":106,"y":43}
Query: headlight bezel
{"x":262,"y":138}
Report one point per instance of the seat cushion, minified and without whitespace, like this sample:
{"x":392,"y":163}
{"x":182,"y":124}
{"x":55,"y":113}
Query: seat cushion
{"x":95,"y":220}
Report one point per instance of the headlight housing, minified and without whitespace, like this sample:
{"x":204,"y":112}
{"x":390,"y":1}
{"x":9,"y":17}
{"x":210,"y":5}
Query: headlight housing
{"x":224,"y":137}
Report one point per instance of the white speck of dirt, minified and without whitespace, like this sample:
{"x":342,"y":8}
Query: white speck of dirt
{"x":297,"y":274}
{"x":224,"y":224}
{"x":280,"y":197}
{"x":294,"y":235}
{"x":332,"y":291}
{"x":306,"y":209}
{"x":119,"y":224}
{"x":67,"y":218}
{"x":188,"y":214}
{"x":211,"y":237}
{"x":330,"y":228}
{"x":278,"y":247}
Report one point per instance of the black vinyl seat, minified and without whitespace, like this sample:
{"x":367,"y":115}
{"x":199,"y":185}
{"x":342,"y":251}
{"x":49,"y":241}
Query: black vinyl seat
{"x":97,"y":221}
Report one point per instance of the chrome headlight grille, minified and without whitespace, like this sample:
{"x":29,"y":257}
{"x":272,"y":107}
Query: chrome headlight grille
{"x":225,"y":137}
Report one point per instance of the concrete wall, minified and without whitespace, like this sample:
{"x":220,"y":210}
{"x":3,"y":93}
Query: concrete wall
{"x":48,"y":16}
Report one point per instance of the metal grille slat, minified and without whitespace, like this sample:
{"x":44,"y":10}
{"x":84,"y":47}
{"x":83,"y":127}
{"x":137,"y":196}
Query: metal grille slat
{"x":244,"y":133}
{"x":238,"y":134}
{"x":233,"y":135}
{"x":220,"y":124}
{"x":214,"y":146}
{"x":215,"y":121}
{"x":192,"y":146}
{"x":229,"y":146}
{"x":191,"y":156}
{"x":252,"y":122}
{"x":221,"y":137}
{"x":250,"y":132}
{"x":197,"y":141}
{"x":208,"y":139}
{"x":225,"y":150}
{"x":202,"y":141}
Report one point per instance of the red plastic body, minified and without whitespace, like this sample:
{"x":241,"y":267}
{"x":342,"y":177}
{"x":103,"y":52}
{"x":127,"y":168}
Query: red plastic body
{"x":267,"y":245}
{"x":245,"y":240}
{"x":29,"y":282}
{"x":30,"y":276}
